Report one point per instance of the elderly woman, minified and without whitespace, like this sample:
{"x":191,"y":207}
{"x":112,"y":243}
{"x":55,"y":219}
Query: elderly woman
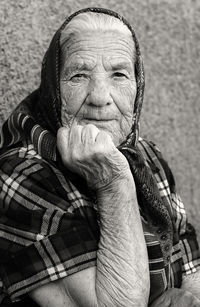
{"x":89,"y":211}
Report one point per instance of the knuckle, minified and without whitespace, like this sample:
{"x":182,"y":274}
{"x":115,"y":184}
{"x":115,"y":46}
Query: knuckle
{"x":61,"y":134}
{"x":76,"y":129}
{"x":89,"y":126}
{"x":92,"y":126}
{"x":76,"y":156}
{"x":62,"y":130}
{"x":98,"y":149}
{"x":104,"y":134}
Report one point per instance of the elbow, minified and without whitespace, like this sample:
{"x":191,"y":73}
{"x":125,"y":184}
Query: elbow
{"x":136,"y":295}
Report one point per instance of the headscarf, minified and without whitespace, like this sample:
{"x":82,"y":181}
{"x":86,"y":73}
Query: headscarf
{"x":48,"y":108}
{"x":44,"y":104}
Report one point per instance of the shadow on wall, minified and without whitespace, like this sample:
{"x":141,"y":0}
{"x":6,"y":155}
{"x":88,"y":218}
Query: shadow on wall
{"x":168,"y":35}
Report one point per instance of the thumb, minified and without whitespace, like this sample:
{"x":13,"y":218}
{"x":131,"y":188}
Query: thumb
{"x":63,"y":136}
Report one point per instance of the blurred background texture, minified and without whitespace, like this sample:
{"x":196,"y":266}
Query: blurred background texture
{"x":169,"y":36}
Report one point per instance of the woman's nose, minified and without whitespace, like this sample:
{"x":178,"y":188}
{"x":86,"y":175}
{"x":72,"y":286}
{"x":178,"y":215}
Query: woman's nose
{"x":99,"y":93}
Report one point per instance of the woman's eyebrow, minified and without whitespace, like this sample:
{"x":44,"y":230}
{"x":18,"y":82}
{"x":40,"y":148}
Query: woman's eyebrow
{"x":76,"y":66}
{"x":83,"y":66}
{"x":128,"y":65}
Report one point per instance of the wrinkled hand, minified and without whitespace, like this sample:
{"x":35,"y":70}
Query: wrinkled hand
{"x":92,"y":154}
{"x":176,"y":298}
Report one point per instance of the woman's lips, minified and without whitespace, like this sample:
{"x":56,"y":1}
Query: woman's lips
{"x":97,"y":121}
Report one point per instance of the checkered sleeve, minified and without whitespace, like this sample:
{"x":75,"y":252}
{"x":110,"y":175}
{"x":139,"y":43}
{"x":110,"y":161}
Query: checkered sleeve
{"x":187,"y":237}
{"x":188,"y":244}
{"x":47,"y":229}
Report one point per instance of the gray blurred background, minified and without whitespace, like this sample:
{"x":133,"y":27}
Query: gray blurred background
{"x":169,"y":35}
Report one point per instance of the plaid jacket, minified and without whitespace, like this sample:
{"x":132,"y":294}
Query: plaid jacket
{"x":49,"y":224}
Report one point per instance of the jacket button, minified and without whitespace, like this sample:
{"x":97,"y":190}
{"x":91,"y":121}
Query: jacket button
{"x":168,"y":258}
{"x":164,"y":237}
{"x":166,"y":248}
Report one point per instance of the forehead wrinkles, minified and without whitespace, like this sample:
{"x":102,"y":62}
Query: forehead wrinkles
{"x":111,"y":43}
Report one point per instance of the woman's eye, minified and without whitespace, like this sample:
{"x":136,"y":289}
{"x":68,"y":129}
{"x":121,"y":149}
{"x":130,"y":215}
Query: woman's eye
{"x":119,"y":75}
{"x":78,"y":77}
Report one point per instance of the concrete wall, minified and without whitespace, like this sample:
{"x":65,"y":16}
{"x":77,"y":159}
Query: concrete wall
{"x":169,"y":34}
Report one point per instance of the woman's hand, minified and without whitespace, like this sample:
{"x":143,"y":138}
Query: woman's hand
{"x":122,"y":273}
{"x":175,"y":297}
{"x":91,"y":153}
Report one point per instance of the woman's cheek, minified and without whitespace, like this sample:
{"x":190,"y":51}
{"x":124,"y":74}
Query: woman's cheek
{"x":72,"y":97}
{"x":124,"y":96}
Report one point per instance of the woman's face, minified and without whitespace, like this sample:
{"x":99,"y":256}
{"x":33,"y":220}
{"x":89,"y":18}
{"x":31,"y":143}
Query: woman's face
{"x":97,"y":82}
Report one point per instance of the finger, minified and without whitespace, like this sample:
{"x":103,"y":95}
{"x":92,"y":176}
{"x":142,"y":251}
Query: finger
{"x":105,"y":139}
{"x":75,"y":135}
{"x":63,"y":138}
{"x":89,"y":134}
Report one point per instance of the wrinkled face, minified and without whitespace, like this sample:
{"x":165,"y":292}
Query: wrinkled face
{"x":97,"y":82}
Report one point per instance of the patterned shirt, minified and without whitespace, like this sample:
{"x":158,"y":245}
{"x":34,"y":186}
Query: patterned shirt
{"x":49,"y":219}
{"x":49,"y":224}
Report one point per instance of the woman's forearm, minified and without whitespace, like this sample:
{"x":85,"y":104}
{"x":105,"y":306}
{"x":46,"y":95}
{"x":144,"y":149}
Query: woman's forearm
{"x":121,"y":277}
{"x":122,"y":265}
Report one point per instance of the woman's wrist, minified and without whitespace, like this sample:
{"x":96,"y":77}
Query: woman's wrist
{"x":120,"y":181}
